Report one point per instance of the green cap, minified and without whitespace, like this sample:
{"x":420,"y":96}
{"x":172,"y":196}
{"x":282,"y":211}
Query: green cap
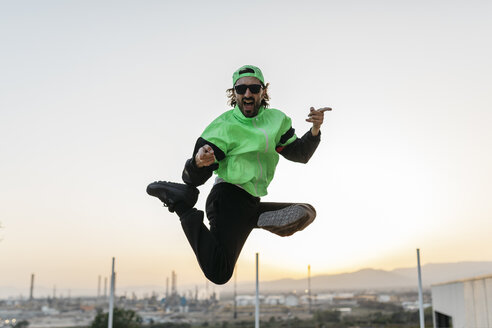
{"x":247,"y":70}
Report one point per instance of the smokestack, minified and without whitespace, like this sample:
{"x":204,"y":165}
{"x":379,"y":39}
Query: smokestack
{"x":31,"y":296}
{"x":111,"y":298}
{"x":174,"y":279}
{"x":309,"y":287}
{"x":105,"y":287}
{"x":54,"y":291}
{"x":167,"y":287}
{"x":99,"y":286}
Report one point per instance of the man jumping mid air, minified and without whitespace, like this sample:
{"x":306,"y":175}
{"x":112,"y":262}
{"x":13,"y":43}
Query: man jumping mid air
{"x":242,"y":147}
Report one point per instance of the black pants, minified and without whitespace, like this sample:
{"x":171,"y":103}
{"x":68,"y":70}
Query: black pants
{"x":233,"y":213}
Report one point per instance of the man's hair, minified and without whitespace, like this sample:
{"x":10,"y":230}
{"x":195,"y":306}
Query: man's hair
{"x":232,"y":98}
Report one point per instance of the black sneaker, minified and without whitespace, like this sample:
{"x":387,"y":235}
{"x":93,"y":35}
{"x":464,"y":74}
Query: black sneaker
{"x":288,"y":220}
{"x":171,"y":193}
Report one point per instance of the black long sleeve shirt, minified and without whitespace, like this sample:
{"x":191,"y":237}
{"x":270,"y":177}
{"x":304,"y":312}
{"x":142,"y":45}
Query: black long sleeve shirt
{"x":300,"y":150}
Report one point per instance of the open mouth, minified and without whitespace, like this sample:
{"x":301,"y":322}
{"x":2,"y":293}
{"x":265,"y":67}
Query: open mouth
{"x":248,"y":105}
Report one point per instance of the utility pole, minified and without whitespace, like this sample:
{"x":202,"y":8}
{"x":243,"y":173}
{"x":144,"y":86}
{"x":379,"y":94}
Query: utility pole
{"x":421,"y":296}
{"x":235,"y":292}
{"x":111,"y":297}
{"x":257,"y":307}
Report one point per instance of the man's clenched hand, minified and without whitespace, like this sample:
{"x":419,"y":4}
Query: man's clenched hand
{"x":205,"y":156}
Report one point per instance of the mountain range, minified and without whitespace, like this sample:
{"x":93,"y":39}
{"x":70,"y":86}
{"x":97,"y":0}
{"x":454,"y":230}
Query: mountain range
{"x":402,"y":278}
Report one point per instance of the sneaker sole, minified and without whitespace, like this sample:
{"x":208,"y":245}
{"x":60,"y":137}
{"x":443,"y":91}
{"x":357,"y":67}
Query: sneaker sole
{"x":289,"y":220}
{"x":162,"y":188}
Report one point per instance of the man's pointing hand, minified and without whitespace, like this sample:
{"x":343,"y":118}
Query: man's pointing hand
{"x":316,"y":117}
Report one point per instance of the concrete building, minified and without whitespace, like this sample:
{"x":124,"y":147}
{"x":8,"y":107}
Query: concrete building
{"x":275,"y":300}
{"x":291,"y":300}
{"x":384,"y":298}
{"x":463,"y":303}
{"x":248,"y":300}
{"x":323,"y":299}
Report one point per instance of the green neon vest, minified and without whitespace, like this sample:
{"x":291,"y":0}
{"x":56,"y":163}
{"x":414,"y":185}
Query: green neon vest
{"x":249,"y":146}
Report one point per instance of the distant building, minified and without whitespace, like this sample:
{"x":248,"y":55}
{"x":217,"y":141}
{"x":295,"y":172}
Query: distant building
{"x":411,"y":306}
{"x":344,"y":310}
{"x":304,"y":299}
{"x":463,"y":303}
{"x":345,"y":299}
{"x":248,"y":300}
{"x":49,"y":311}
{"x":275,"y":300}
{"x":324,"y":299}
{"x":369,"y":298}
{"x":291,"y":300}
{"x":384,"y":298}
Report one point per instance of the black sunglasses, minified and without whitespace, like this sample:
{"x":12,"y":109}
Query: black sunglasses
{"x":241,"y":89}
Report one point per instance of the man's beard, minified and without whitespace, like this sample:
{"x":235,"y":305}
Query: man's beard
{"x":249,"y":110}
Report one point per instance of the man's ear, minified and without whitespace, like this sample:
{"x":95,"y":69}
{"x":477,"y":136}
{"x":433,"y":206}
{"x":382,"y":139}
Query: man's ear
{"x":264,"y":91}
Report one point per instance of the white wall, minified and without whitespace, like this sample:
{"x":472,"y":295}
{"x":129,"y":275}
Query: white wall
{"x":468,"y":302}
{"x":478,"y":300}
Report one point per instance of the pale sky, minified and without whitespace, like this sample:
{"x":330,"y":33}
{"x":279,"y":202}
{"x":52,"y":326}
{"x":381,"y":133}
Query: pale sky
{"x":100,"y":98}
